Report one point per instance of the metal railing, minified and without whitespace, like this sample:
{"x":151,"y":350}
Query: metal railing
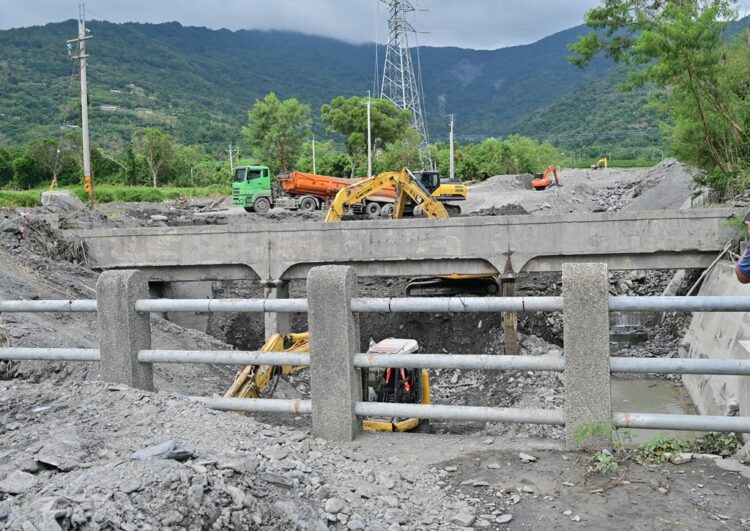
{"x":113,"y":312}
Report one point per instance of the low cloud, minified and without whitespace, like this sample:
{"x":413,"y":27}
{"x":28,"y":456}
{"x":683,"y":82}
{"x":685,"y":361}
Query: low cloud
{"x":485,"y":24}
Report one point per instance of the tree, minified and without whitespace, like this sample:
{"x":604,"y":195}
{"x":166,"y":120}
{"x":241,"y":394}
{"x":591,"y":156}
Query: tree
{"x":27,"y":172}
{"x":328,"y":160}
{"x":6,"y":167}
{"x":349,"y":118}
{"x":276,"y":130}
{"x":679,"y":46}
{"x":158,"y":150}
{"x":57,"y":158}
{"x":400,"y":153}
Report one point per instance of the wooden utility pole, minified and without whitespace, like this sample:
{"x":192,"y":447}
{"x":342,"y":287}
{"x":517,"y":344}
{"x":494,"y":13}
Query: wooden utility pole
{"x":88,"y":181}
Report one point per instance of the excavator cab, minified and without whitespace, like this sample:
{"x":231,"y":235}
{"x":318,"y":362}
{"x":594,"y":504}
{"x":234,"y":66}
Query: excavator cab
{"x":429,"y":179}
{"x":394,"y":385}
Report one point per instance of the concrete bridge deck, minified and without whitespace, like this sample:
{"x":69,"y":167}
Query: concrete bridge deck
{"x":503,"y":245}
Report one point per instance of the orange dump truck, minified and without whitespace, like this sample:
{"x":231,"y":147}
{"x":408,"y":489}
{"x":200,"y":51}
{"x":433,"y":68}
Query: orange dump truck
{"x":308,"y":191}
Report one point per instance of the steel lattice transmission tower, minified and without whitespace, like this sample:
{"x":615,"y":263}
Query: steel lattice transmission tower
{"x":400,"y":83}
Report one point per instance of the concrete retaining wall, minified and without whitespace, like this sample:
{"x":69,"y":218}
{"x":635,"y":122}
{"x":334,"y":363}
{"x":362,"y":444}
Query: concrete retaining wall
{"x":717,"y":335}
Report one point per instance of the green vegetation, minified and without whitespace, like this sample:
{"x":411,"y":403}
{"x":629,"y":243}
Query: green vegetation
{"x":390,"y":129}
{"x":112,"y":193}
{"x":681,"y":48}
{"x":181,"y":81}
{"x":657,"y":450}
{"x":276,"y":130}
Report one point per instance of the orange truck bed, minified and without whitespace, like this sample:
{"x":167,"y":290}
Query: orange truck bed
{"x":322,"y":186}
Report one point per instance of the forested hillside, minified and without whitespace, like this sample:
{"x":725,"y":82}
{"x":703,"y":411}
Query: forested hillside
{"x":198,"y":83}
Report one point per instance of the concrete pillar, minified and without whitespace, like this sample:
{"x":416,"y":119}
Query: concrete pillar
{"x":586,"y":339}
{"x":122,"y":330}
{"x":277,"y":323}
{"x":510,"y":319}
{"x":335,"y":385}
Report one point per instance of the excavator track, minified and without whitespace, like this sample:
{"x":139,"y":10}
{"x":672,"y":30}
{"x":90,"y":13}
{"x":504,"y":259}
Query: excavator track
{"x":450,"y":287}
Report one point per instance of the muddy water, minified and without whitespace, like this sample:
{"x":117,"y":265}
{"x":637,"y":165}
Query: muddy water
{"x":652,"y":396}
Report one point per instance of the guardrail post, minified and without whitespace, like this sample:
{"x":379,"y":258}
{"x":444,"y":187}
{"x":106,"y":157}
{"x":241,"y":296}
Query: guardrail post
{"x":122,"y":330}
{"x":335,"y":385}
{"x":510,"y":319}
{"x":586,"y":340}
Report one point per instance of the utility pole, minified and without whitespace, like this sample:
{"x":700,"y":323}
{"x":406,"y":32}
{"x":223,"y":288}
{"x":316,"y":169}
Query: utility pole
{"x":369,"y":137}
{"x":231,"y":152}
{"x":315,"y":168}
{"x":88,"y":182}
{"x":452,"y":172}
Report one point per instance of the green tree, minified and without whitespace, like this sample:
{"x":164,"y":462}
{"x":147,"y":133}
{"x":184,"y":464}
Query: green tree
{"x":349,"y":118}
{"x":6,"y":167}
{"x":328,"y":160}
{"x":679,"y":46}
{"x":402,"y":152}
{"x":158,"y":150}
{"x":27,"y":172}
{"x":276,"y":130}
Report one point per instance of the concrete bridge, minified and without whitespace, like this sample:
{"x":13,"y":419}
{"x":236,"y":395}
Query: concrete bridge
{"x":503,"y":245}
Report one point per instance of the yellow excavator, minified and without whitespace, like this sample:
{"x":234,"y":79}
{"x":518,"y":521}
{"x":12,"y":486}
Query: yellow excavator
{"x":599,"y":164}
{"x":408,"y":187}
{"x":400,"y":386}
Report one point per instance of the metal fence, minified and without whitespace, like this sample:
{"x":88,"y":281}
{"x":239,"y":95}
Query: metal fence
{"x":126,"y":357}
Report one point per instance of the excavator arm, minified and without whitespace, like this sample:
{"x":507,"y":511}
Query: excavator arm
{"x":259,"y":381}
{"x":406,"y":187}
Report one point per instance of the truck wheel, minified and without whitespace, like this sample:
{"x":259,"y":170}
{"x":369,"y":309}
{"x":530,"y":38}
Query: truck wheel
{"x":386,"y":211}
{"x":373,"y":209}
{"x":262,"y":205}
{"x":308,"y":204}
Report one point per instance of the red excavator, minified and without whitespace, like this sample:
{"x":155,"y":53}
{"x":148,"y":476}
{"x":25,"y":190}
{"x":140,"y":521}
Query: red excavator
{"x":544,"y":180}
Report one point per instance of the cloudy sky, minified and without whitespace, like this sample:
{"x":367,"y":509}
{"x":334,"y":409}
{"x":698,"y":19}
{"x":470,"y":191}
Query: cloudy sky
{"x":466,"y":23}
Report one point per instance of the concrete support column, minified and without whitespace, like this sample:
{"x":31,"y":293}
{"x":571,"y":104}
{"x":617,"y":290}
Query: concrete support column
{"x":510,"y":319}
{"x":277,"y":323}
{"x":335,"y":385}
{"x":586,"y":339}
{"x":122,"y":330}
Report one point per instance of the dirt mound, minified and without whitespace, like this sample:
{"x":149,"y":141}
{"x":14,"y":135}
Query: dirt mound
{"x":666,"y":186}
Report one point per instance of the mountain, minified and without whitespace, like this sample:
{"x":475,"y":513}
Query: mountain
{"x":199,"y":84}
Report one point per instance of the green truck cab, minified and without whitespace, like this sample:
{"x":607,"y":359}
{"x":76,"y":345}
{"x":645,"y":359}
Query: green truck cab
{"x":251,"y":188}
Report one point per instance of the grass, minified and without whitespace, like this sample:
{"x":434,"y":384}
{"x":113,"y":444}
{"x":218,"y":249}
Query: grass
{"x":108,"y":193}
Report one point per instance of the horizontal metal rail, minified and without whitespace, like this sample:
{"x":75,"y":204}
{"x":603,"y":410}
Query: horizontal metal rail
{"x":731,"y":367}
{"x":227,"y":357}
{"x":457,"y":304}
{"x":660,"y":421}
{"x":680,"y":304}
{"x":50,"y":354}
{"x":483,"y":414}
{"x":221,"y":305}
{"x":461,"y":361}
{"x":360,"y":305}
{"x":397,"y":305}
{"x":58,"y":306}
{"x":257,"y":405}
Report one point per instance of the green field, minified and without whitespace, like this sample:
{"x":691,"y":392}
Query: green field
{"x":108,"y":193}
